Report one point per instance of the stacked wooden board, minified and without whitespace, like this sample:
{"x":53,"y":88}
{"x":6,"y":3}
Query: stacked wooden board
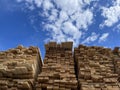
{"x":89,"y":68}
{"x":116,"y":58}
{"x":19,"y":68}
{"x":58,"y":70}
{"x":95,"y":68}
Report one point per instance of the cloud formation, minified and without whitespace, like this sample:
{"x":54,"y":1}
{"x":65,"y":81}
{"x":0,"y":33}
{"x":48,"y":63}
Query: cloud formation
{"x":103,"y":37}
{"x":93,"y":37}
{"x":111,"y":14}
{"x":117,"y":28}
{"x":69,"y":20}
{"x":65,"y":18}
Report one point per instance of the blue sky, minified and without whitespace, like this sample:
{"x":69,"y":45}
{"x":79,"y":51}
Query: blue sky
{"x":36,"y":22}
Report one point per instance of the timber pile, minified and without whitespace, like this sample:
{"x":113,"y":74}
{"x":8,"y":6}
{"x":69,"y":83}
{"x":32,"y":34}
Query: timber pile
{"x":19,"y":68}
{"x":58,"y":70}
{"x":116,"y":58}
{"x":95,"y":68}
{"x":90,"y":68}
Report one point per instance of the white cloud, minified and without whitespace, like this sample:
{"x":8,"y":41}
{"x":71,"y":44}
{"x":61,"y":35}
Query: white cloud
{"x":61,"y":26}
{"x":72,"y":32}
{"x":93,"y":37}
{"x":69,"y":6}
{"x":103,"y":37}
{"x":116,"y":2}
{"x":88,"y":1}
{"x":66,"y":18}
{"x":38,"y":2}
{"x":29,"y":4}
{"x":63,"y":15}
{"x":111,"y":14}
{"x":83,"y":18}
{"x":47,"y":5}
{"x":69,"y":28}
{"x":68,"y":32}
{"x":53,"y":16}
{"x":117,"y":28}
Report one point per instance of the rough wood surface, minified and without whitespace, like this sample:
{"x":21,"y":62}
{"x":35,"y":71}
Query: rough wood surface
{"x":19,"y":68}
{"x":58,"y":70}
{"x":85,"y":68}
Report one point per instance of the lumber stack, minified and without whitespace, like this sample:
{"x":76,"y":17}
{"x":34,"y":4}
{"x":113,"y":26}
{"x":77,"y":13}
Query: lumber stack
{"x":117,"y":66}
{"x":95,"y":68}
{"x":58,"y":70}
{"x":116,"y":58}
{"x":19,"y":68}
{"x":89,"y":68}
